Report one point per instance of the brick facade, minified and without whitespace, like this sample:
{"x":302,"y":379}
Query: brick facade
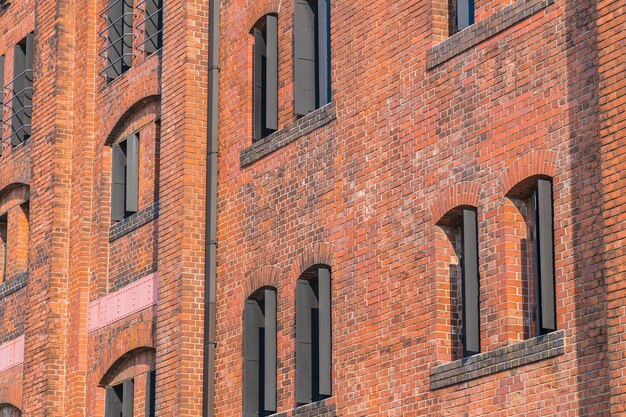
{"x":420,"y":125}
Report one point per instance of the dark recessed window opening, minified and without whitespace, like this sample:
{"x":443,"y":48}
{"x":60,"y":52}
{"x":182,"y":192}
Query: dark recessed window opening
{"x":313,"y":336}
{"x":461,"y":15}
{"x":119,"y":37}
{"x":312,"y":55}
{"x":120,"y":399}
{"x":153,"y":26}
{"x":259,"y":372}
{"x":470,"y":283}
{"x":125,"y":178}
{"x":541,"y":235}
{"x":21,"y":103}
{"x":3,"y":246}
{"x":265,"y":77}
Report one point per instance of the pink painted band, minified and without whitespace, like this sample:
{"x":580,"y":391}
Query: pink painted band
{"x":12,"y":353}
{"x":122,"y":303}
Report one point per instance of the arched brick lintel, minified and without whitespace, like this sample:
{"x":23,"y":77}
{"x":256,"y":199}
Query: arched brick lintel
{"x":314,"y":254}
{"x":11,"y":393}
{"x":138,"y":336}
{"x":258,"y":9}
{"x":265,"y":276}
{"x":531,"y":164}
{"x":115,"y":122}
{"x":14,"y":174}
{"x":461,"y":194}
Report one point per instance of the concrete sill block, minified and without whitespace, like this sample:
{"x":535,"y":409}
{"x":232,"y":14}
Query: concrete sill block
{"x":301,"y":127}
{"x":483,"y":30}
{"x":498,"y":360}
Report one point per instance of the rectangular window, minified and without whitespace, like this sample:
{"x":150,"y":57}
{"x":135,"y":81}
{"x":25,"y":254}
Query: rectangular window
{"x":265,"y":111}
{"x":462,"y":15}
{"x":125,"y":178}
{"x":153,"y":25}
{"x":313,"y":337}
{"x":120,"y":37}
{"x":542,"y":237}
{"x":312,"y":55}
{"x":21,"y":103}
{"x":120,"y":399}
{"x":470,"y":279}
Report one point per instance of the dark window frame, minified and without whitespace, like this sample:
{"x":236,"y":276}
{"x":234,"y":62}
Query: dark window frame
{"x":125,"y":177}
{"x":22,"y":90}
{"x":311,"y":55}
{"x":265,"y":77}
{"x":152,"y":26}
{"x":541,"y":223}
{"x":260,"y":356}
{"x":462,"y":15}
{"x":120,"y":399}
{"x":119,"y":38}
{"x":313,"y":335}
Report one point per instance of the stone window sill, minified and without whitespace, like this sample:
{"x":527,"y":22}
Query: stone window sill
{"x":14,"y":284}
{"x":301,"y":127}
{"x":483,"y":30}
{"x":498,"y":360}
{"x":133,"y":222}
{"x":321,"y":408}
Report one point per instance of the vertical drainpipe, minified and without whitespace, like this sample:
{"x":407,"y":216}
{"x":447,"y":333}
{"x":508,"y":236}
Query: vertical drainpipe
{"x":208,"y":389}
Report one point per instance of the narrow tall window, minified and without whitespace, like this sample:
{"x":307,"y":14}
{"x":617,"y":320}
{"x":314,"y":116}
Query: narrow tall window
{"x":120,"y":399}
{"x":312,"y":55}
{"x":259,"y":340}
{"x":313,"y":336}
{"x":470,"y":278}
{"x":462,"y":15}
{"x":125,"y":178}
{"x":1,"y":98}
{"x":542,"y":239}
{"x":265,"y":112}
{"x":3,"y":247}
{"x":153,"y":25}
{"x":21,"y":104}
{"x":119,"y":38}
{"x":150,"y":393}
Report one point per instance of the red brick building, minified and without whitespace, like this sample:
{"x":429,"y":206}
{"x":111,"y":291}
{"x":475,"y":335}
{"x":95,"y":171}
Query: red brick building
{"x":312,"y":208}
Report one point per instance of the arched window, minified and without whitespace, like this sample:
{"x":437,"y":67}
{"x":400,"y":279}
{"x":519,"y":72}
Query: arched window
{"x":259,"y":346}
{"x":542,"y":237}
{"x":7,"y":410}
{"x":461,"y":227}
{"x":14,"y":231}
{"x":533,"y":198}
{"x":265,"y":76}
{"x":313,"y":335}
{"x":130,"y":385}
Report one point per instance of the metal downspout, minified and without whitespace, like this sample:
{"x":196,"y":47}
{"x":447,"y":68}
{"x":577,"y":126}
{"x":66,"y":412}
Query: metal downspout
{"x":208,"y":388}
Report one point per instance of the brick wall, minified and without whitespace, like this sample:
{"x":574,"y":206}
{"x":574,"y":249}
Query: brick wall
{"x":420,"y":124}
{"x":423,"y":124}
